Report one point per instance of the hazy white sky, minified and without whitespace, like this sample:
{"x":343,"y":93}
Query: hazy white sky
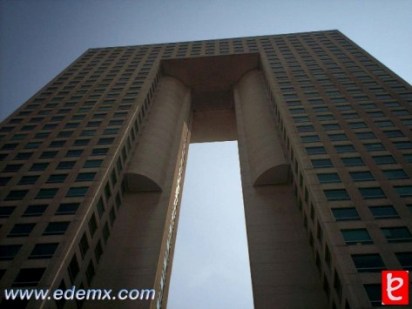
{"x":39,"y":38}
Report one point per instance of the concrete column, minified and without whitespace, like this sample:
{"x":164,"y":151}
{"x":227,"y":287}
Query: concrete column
{"x":151,"y":156}
{"x":267,"y":161}
{"x":135,"y":253}
{"x":282,"y":266}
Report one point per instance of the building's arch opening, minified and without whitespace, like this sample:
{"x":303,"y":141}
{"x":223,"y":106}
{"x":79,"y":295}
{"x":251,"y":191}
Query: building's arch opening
{"x":211,"y":261}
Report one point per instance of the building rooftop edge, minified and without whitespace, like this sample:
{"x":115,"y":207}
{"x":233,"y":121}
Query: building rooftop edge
{"x":218,"y":39}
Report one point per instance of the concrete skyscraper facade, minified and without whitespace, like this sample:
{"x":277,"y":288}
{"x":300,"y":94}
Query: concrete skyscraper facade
{"x":92,"y":168}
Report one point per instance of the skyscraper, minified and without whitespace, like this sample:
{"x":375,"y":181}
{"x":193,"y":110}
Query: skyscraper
{"x":92,"y":168}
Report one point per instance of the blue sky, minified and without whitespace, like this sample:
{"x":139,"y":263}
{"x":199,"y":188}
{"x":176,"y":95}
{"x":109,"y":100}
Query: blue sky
{"x":39,"y":38}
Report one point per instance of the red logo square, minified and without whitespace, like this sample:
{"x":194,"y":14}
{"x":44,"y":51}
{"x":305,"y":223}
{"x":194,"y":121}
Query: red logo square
{"x":395,"y":287}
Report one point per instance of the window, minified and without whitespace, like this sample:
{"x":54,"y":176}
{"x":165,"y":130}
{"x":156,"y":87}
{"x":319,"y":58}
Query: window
{"x":383,"y":212}
{"x":18,"y":137}
{"x":374,"y":147}
{"x":22,"y":229}
{"x":39,"y":166}
{"x":372,"y":193}
{"x":65,"y":133}
{"x":386,"y":159}
{"x":338,"y":137}
{"x":56,"y":144}
{"x":322,"y":163}
{"x":356,"y":236}
{"x":92,"y":225}
{"x":90,"y":272}
{"x":395,"y":174}
{"x":344,"y":148}
{"x":315,"y":150}
{"x":99,"y":151}
{"x":100,"y":208}
{"x":307,"y":128}
{"x":110,"y":131}
{"x":56,"y":228}
{"x":310,"y":139}
{"x":397,"y":234}
{"x":48,"y":154}
{"x":344,"y":214}
{"x":11,"y":168}
{"x":85,"y":176}
{"x":6,"y":211}
{"x":88,"y":133}
{"x":81,"y":142}
{"x":404,"y":191}
{"x":65,"y":165}
{"x":34,"y":210}
{"x":92,"y":163}
{"x":408,"y":157}
{"x":67,"y":209}
{"x":10,"y":146}
{"x":105,"y":141}
{"x":374,"y":294}
{"x":405,"y":259}
{"x":394,"y":133}
{"x":28,"y":180}
{"x":403,"y":145}
{"x":331,"y":126}
{"x":42,"y":135}
{"x":74,"y":153}
{"x":329,"y":178}
{"x":28,"y":277}
{"x":15,"y":195}
{"x":73,"y":269}
{"x":4,"y":181}
{"x":336,"y":194}
{"x":357,"y":125}
{"x":77,"y":191}
{"x":362,"y":176}
{"x":23,"y":156}
{"x":368,"y":262}
{"x":365,"y":135}
{"x":353,"y":161}
{"x":57,"y":178}
{"x":46,"y":193}
{"x":43,"y":251}
{"x":8,"y":252}
{"x":384,"y":123}
{"x":32,"y":145}
{"x":84,"y":245}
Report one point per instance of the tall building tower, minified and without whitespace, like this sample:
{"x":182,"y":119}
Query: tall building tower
{"x":92,"y":168}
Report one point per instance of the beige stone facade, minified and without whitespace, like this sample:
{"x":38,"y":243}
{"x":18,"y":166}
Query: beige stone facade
{"x":92,"y":168}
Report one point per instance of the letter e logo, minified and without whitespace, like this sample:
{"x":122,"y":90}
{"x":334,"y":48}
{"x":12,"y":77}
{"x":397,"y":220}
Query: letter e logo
{"x":395,"y":287}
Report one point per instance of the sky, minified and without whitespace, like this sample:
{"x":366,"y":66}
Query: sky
{"x":39,"y":38}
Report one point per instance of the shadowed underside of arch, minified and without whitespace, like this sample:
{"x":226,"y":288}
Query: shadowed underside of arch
{"x":273,"y":176}
{"x":141,"y":183}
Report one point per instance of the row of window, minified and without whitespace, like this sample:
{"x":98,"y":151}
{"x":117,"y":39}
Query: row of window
{"x":378,"y":212}
{"x":59,"y":143}
{"x":39,"y":209}
{"x":47,"y":193}
{"x":367,"y":193}
{"x":24,"y":229}
{"x":373,"y":262}
{"x":358,"y":176}
{"x":357,"y":161}
{"x":361,"y":235}
{"x":337,"y":137}
{"x":350,"y":148}
{"x":40,"y":251}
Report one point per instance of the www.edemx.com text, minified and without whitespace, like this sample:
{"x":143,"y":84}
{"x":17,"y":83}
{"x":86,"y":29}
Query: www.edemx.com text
{"x":79,"y":294}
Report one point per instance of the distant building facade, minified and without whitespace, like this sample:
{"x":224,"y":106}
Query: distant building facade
{"x":92,"y":166}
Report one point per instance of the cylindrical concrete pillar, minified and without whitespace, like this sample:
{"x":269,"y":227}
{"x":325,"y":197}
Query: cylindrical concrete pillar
{"x":265,"y":155}
{"x":146,"y":170}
